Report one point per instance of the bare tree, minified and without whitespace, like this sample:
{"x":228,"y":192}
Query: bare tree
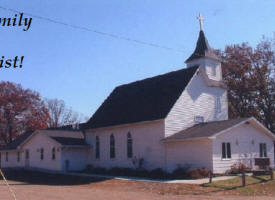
{"x":60,"y":114}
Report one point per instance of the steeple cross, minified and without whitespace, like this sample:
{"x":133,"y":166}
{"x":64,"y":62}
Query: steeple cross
{"x":200,"y":18}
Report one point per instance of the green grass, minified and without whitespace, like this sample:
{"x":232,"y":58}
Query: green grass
{"x":236,"y":182}
{"x":259,"y":185}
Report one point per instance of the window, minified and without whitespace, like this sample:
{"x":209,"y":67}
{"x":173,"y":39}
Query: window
{"x":41,"y":154}
{"x":218,"y":105}
{"x":53,"y":154}
{"x":213,"y":69}
{"x":18,"y":156}
{"x":129,"y":146}
{"x":27,"y":154}
{"x":199,"y":119}
{"x":112,"y":147}
{"x":226,"y":150}
{"x":7,"y":156}
{"x":97,"y":148}
{"x":263,"y":152}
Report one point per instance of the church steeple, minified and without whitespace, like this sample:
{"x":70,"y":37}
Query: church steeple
{"x":203,"y":50}
{"x":205,"y":57}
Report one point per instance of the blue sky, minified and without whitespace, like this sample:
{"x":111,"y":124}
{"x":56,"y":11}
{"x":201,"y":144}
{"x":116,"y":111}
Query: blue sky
{"x":83,"y":67}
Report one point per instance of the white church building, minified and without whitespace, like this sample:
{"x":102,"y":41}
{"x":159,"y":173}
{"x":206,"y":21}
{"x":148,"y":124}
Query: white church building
{"x":167,"y":121}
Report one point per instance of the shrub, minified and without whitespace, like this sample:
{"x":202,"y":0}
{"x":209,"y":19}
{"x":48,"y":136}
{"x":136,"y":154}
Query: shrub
{"x":180,"y":173}
{"x":194,"y":174}
{"x":121,"y":171}
{"x":98,"y":170}
{"x":237,"y":168}
{"x":142,"y":173}
{"x":204,"y":172}
{"x":198,"y":173}
{"x":158,"y":173}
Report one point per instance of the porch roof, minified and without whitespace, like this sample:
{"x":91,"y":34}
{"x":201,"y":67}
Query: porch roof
{"x":204,"y":130}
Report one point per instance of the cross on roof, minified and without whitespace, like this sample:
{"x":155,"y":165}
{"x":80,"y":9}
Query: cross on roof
{"x":200,"y":18}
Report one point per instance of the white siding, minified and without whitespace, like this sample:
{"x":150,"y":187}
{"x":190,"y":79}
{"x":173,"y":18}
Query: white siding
{"x":209,"y":66}
{"x":195,"y":153}
{"x":12,"y":159}
{"x":77,"y":158}
{"x":146,"y":144}
{"x":242,"y":148}
{"x":35,"y":144}
{"x":197,"y":99}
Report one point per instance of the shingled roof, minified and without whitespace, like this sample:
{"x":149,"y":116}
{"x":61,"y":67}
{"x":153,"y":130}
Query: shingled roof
{"x":145,"y":100}
{"x":16,"y":142}
{"x":64,"y":137}
{"x":65,"y":141}
{"x":202,"y":50}
{"x":204,"y":130}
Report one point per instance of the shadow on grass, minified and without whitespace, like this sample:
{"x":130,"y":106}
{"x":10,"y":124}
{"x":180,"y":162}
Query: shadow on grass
{"x":222,"y":188}
{"x":42,"y":178}
{"x":262,"y":180}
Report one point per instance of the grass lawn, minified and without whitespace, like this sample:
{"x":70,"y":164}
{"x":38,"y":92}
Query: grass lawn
{"x":260,"y":185}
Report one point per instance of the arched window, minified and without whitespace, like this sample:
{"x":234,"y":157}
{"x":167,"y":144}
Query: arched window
{"x":53,"y":154}
{"x":112,"y":147}
{"x":41,"y":154}
{"x":129,"y":146}
{"x":97,"y":148}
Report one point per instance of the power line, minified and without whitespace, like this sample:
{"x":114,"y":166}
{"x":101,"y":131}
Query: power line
{"x":94,"y":31}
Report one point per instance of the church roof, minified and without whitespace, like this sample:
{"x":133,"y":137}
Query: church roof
{"x":203,"y":49}
{"x":204,"y":130}
{"x":61,"y":136}
{"x":146,"y":100}
{"x":67,"y":141}
{"x":17,"y":141}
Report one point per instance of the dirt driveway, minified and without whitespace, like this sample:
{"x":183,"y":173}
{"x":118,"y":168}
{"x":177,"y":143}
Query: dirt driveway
{"x":37,"y":186}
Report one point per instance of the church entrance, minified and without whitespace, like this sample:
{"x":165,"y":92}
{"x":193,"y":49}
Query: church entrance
{"x":245,"y":155}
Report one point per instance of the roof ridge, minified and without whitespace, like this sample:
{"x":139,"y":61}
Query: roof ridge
{"x":149,"y":99}
{"x":242,"y":118}
{"x":157,"y":76}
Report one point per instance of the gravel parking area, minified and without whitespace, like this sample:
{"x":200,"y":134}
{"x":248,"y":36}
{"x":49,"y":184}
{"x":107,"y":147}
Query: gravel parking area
{"x":40,"y":186}
{"x":82,"y":192}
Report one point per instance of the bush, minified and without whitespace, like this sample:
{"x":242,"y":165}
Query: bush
{"x":142,"y":173}
{"x":121,"y":171}
{"x":204,"y":172}
{"x":179,"y":173}
{"x":194,"y":174}
{"x":237,"y":168}
{"x":198,"y":173}
{"x":158,"y":173}
{"x":99,"y":170}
